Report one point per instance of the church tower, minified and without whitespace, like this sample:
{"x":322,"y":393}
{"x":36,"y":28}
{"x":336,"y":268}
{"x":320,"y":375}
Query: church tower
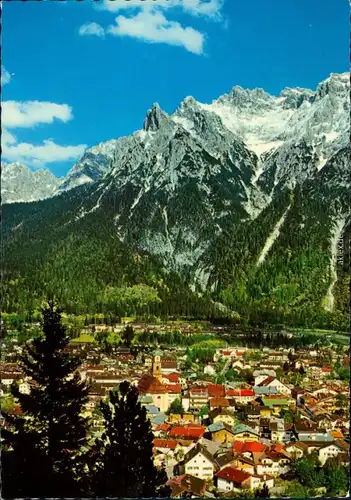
{"x":156,"y":367}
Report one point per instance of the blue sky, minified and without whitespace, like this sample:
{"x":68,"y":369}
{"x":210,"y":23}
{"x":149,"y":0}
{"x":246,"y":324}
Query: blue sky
{"x":79,"y":73}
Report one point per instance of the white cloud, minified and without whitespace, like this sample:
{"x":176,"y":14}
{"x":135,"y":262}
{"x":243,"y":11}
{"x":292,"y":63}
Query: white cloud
{"x":147,"y":22}
{"x":92,"y":29}
{"x":39,"y":155}
{"x":116,"y":5}
{"x":5,"y":76}
{"x":7,"y":137}
{"x":154,"y":27}
{"x":30,"y":113}
{"x":210,"y":8}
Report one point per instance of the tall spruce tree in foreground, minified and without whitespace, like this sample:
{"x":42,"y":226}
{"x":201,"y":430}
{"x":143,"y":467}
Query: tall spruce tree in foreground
{"x":41,"y":447}
{"x":124,"y":461}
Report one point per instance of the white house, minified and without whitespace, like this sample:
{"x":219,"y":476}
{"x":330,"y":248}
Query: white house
{"x":274,"y":382}
{"x":273,"y":465}
{"x":261,"y":375}
{"x":198,"y":397}
{"x":232,"y":479}
{"x":330,"y":450}
{"x":297,"y":449}
{"x":199,"y":463}
{"x":280,"y":432}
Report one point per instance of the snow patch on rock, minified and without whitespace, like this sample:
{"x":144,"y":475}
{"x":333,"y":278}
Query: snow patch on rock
{"x":272,"y":237}
{"x":337,"y":231}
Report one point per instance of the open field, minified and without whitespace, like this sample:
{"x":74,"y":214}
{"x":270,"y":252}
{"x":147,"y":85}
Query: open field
{"x":84,"y":338}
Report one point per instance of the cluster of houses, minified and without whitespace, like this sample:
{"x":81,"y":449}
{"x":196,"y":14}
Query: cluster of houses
{"x":235,"y":436}
{"x":228,"y":437}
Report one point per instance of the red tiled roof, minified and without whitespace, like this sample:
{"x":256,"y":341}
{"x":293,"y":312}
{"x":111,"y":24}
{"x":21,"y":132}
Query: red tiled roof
{"x":175,"y":388}
{"x":172,"y":377}
{"x":218,"y":402}
{"x":232,"y":474}
{"x":168,"y":364}
{"x":150,"y":385}
{"x":246,"y":392}
{"x":232,"y":392}
{"x":165,"y":443}
{"x":278,"y":447}
{"x":326,"y":369}
{"x":190,"y":431}
{"x":216,"y":390}
{"x":247,"y":446}
{"x":187,"y":483}
{"x":198,"y":389}
{"x":163,"y":427}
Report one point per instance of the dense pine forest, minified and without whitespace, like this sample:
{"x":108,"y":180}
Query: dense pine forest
{"x":81,"y":261}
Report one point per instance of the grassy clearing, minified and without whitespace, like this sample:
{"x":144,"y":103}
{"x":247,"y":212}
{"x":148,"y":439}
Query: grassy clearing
{"x":340,"y":340}
{"x":84,"y":337}
{"x":128,"y":319}
{"x":316,"y":331}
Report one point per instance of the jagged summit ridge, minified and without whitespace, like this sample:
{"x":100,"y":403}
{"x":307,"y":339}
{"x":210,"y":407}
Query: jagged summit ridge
{"x":155,"y":118}
{"x":21,"y":184}
{"x":259,"y":122}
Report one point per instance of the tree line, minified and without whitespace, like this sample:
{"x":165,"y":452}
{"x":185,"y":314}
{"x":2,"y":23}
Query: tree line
{"x":256,"y":339}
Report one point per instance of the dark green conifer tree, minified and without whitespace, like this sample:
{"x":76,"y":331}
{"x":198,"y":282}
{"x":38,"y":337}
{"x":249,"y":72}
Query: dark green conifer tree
{"x":123,"y":457}
{"x":42,"y":447}
{"x":176,"y":407}
{"x":128,"y":335}
{"x":262,"y":492}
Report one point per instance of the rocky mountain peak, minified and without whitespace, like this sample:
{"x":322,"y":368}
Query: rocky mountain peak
{"x":19,"y":183}
{"x":12,"y":169}
{"x":155,"y":117}
{"x":337,"y":85}
{"x":188,"y":103}
{"x":243,"y":98}
{"x":295,"y":97}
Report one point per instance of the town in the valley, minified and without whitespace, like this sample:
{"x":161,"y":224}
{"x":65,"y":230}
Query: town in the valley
{"x":227,"y":419}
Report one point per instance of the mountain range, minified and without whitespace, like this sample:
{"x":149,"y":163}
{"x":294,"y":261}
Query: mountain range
{"x":245,"y":200}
